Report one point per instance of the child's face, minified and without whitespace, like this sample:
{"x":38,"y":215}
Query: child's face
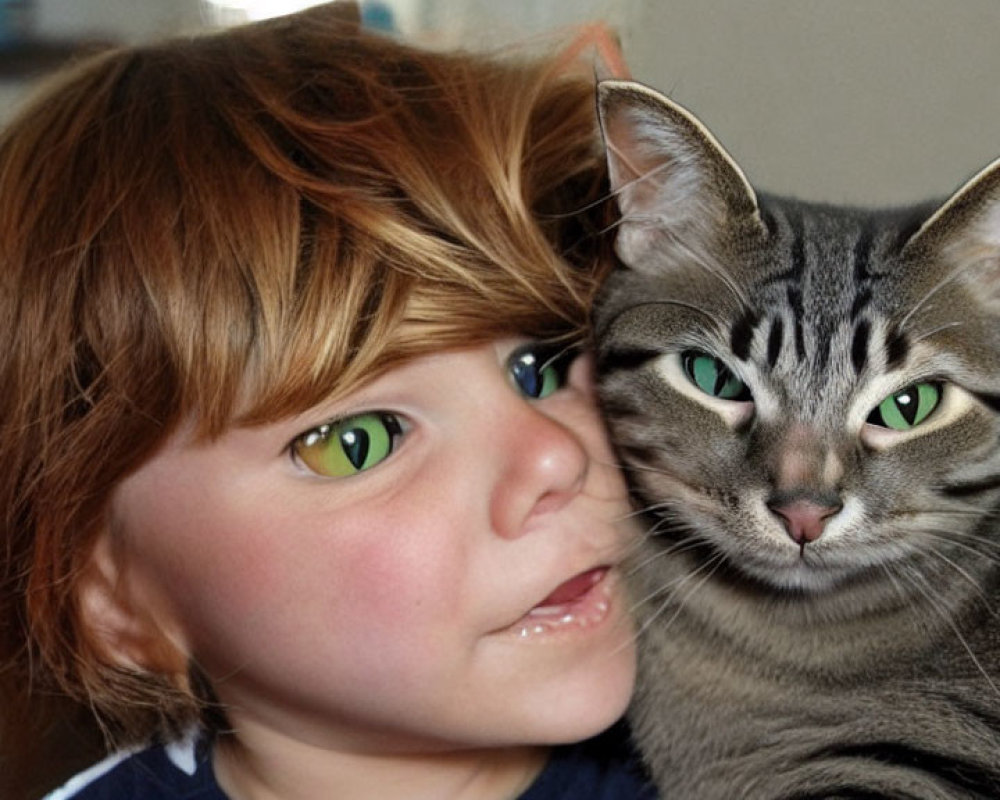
{"x":394,"y":608}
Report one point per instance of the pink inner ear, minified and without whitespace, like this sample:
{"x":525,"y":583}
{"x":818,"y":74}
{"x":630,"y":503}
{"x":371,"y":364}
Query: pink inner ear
{"x":629,"y":158}
{"x":653,"y":170}
{"x":664,"y":162}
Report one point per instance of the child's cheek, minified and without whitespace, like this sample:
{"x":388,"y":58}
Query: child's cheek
{"x":389,"y":586}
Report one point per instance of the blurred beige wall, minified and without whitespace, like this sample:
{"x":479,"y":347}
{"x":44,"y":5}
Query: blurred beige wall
{"x":864,"y":101}
{"x":858,"y":101}
{"x":867,"y":101}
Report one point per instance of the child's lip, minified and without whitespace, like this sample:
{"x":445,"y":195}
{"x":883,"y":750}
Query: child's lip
{"x":581,"y":602}
{"x":570,"y":591}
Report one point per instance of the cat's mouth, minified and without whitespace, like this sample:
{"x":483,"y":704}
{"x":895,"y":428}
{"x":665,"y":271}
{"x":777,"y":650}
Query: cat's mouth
{"x":775,"y":568}
{"x":803,"y":576}
{"x":802,"y":572}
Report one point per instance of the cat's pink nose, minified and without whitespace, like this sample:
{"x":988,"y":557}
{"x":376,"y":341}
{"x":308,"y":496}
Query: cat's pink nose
{"x":804,"y":519}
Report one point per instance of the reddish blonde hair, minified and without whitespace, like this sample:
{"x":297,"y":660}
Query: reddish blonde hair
{"x":233,"y":228}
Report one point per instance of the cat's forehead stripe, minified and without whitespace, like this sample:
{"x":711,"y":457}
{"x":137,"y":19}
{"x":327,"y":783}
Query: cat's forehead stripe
{"x":862,"y":298}
{"x":775,"y":339}
{"x":826,"y":264}
{"x":862,"y":254}
{"x":897,"y":347}
{"x":741,"y":335}
{"x":859,"y":345}
{"x":795,"y":303}
{"x":797,"y":226}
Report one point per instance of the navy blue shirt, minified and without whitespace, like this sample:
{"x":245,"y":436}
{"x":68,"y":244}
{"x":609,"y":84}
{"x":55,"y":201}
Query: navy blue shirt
{"x":603,"y":768}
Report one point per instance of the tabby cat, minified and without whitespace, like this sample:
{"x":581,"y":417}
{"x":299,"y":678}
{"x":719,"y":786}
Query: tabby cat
{"x":806,"y":399}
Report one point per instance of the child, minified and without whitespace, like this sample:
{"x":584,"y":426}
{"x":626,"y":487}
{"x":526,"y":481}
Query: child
{"x":303,"y":477}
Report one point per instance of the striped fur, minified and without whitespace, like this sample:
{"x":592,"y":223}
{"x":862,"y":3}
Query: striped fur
{"x":851,"y":649}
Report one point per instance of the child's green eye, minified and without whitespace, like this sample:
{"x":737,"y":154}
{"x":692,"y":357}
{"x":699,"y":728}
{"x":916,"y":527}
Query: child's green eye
{"x":906,"y":408}
{"x":344,"y":447}
{"x":537,"y":371}
{"x":713,"y":377}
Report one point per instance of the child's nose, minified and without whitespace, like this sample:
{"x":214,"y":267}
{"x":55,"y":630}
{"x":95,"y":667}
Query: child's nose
{"x":544,"y":466}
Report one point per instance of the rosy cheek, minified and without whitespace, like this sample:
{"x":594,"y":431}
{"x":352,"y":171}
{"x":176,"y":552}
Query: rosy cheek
{"x":403,"y":578}
{"x":381,"y":583}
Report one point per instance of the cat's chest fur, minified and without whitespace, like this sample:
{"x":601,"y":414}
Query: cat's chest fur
{"x":805,"y":399}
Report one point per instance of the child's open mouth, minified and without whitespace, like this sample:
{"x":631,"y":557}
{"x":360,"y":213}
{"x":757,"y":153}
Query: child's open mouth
{"x":581,"y":602}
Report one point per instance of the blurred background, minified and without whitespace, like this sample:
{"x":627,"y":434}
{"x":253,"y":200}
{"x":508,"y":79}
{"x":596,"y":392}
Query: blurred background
{"x":861,"y":101}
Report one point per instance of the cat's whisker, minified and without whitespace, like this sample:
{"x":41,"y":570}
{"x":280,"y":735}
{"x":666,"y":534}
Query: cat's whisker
{"x":690,"y":256}
{"x":628,"y":554}
{"x":636,"y":543}
{"x":660,"y":551}
{"x":659,"y":590}
{"x":647,"y":220}
{"x":919,"y":582}
{"x":977,"y":588}
{"x":609,"y":227}
{"x":956,"y":538}
{"x":709,"y":568}
{"x":694,"y":257}
{"x":949,"y":278}
{"x":886,"y":568}
{"x":625,"y":466}
{"x":972,"y":510}
{"x":645,"y":468}
{"x":967,"y":510}
{"x":577,"y":211}
{"x":669,"y":522}
{"x":662,"y":524}
{"x":658,"y":511}
{"x":641,"y":176}
{"x":654,"y":530}
{"x":684,"y":545}
{"x":635,"y":606}
{"x":714,"y":318}
{"x":937,"y":330}
{"x":954,"y":535}
{"x":990,"y":551}
{"x":665,"y":506}
{"x":919,"y":622}
{"x":616,"y":463}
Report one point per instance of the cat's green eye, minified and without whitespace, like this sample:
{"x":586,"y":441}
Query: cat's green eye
{"x":536,"y":371}
{"x":713,"y":377}
{"x":347,"y":446}
{"x":907,"y":408}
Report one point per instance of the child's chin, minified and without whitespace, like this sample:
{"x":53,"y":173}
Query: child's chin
{"x":594,"y":711}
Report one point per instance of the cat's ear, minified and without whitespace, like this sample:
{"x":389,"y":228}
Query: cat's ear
{"x":965,"y":233}
{"x":671,"y":176}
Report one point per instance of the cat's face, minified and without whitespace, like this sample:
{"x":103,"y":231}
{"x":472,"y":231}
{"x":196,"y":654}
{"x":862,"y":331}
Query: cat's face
{"x":805,"y":394}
